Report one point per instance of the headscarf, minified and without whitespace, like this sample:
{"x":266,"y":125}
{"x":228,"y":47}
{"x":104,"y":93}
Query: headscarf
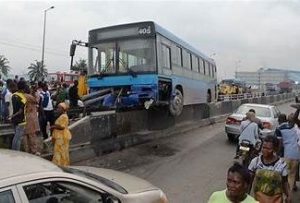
{"x":64,"y":106}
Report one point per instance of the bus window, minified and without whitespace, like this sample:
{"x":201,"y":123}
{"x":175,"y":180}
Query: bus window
{"x":201,"y":67}
{"x":195,"y":63}
{"x":209,"y":69}
{"x":186,"y":59}
{"x":177,"y":56}
{"x":166,"y":54}
{"x":107,"y":57}
{"x":204,"y":67}
{"x":212,"y":71}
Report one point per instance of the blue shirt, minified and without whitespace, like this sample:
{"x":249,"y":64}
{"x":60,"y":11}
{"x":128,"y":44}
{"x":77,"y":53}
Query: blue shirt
{"x":288,"y":134}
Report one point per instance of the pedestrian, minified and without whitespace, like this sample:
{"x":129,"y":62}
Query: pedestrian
{"x":73,"y":94}
{"x":12,"y":89}
{"x":237,"y":184}
{"x":270,"y":174}
{"x":248,"y":132}
{"x":62,"y":94}
{"x":6,"y":94}
{"x":288,"y":137}
{"x":61,"y":137}
{"x":32,"y":127}
{"x":18,"y":117}
{"x":47,"y":105}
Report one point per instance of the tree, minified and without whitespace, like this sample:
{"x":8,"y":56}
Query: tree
{"x":4,"y":68}
{"x":37,"y":71}
{"x":80,"y":65}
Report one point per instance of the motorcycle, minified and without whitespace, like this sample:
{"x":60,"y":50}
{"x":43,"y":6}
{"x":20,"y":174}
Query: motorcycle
{"x":247,"y":152}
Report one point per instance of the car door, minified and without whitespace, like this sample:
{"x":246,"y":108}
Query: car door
{"x":62,"y":191}
{"x":9,"y":195}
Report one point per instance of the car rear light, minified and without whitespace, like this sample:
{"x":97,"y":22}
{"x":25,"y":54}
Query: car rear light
{"x":163,"y":198}
{"x":230,"y":121}
{"x":267,"y":125}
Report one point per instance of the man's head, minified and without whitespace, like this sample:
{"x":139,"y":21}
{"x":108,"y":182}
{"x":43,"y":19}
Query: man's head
{"x":252,"y":110}
{"x":12,"y":87}
{"x":238,"y":180}
{"x":291,"y":118}
{"x":281,"y":118}
{"x":250,"y":116}
{"x":75,"y":83}
{"x":269,"y":146}
{"x":22,"y":85}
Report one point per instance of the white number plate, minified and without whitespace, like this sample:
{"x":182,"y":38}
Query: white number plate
{"x":245,"y":148}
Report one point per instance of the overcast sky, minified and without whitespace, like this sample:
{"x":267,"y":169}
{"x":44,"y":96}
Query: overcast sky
{"x":244,"y":35}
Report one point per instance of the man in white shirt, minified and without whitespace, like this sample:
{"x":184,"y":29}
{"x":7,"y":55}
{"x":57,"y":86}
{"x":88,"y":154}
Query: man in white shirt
{"x":47,"y":105}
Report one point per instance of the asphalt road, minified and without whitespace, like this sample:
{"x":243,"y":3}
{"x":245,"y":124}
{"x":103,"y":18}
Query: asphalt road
{"x":188,"y":168}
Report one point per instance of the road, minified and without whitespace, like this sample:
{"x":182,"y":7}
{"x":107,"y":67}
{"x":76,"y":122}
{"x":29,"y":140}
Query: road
{"x":188,"y":168}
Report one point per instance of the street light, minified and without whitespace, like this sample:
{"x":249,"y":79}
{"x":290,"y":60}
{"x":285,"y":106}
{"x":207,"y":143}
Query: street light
{"x":44,"y":33}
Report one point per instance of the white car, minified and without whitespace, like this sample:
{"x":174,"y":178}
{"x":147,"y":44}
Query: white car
{"x":25,"y":178}
{"x":268,"y":114}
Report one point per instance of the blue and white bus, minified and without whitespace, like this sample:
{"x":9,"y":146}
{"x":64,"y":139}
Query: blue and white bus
{"x":144,"y":64}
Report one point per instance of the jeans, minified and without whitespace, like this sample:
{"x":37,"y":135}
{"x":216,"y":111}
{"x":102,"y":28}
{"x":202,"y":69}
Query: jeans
{"x":19,"y":132}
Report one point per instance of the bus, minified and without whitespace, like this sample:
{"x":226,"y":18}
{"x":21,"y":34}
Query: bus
{"x":146,"y":65}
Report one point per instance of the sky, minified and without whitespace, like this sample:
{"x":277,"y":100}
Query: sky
{"x":240,"y":35}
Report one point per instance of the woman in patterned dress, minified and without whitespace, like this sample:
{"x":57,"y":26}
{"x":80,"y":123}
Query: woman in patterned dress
{"x":61,"y":137}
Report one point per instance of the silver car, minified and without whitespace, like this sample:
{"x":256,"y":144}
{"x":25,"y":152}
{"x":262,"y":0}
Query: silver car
{"x":268,"y":115}
{"x":25,"y":178}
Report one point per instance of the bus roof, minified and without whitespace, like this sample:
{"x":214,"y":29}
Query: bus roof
{"x":164,"y":32}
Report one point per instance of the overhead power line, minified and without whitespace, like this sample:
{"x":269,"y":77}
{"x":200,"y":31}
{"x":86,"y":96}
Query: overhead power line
{"x":31,"y":48}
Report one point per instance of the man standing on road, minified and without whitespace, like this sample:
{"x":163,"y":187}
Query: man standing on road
{"x":238,"y":181}
{"x":18,"y":117}
{"x":270,"y":174}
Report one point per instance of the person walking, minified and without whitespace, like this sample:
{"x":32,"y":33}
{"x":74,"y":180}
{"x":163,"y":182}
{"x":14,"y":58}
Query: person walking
{"x":18,"y":118}
{"x":61,"y":137}
{"x":237,"y":184}
{"x":288,"y":137}
{"x":270,"y":174}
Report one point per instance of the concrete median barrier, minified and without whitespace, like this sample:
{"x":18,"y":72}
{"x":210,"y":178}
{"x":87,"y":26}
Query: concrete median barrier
{"x":109,"y":131}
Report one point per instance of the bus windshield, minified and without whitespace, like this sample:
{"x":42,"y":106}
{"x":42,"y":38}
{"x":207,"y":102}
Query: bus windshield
{"x":125,"y":56}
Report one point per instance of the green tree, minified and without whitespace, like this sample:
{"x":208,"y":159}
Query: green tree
{"x":4,"y":68}
{"x":37,"y":71}
{"x":80,"y":65}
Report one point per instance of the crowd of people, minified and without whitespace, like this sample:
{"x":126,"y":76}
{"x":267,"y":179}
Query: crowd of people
{"x":271,"y":176}
{"x":30,"y":108}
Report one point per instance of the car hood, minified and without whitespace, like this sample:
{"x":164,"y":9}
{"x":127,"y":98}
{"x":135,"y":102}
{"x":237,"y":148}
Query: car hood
{"x":130,"y":183}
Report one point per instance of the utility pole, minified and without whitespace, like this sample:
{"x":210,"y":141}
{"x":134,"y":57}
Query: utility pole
{"x":44,"y":33}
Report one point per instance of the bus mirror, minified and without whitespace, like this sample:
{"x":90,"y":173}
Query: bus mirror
{"x":72,"y":49}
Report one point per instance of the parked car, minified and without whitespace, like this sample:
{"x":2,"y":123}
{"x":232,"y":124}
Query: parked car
{"x":268,"y":114}
{"x":27,"y":178}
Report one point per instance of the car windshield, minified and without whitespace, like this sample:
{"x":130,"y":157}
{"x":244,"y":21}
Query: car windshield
{"x":94,"y":177}
{"x":259,"y":111}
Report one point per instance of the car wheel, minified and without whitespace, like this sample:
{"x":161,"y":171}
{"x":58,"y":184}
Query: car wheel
{"x":231,"y":137}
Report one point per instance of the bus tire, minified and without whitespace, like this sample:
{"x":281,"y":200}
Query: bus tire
{"x":176,"y":103}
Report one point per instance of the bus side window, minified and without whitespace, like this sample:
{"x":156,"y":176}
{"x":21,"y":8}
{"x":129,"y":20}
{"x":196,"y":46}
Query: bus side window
{"x":204,"y":67}
{"x":166,"y":52}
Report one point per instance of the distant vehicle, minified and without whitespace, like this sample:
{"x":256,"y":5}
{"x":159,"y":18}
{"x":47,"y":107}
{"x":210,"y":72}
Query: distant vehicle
{"x":40,"y":181}
{"x":286,"y":86}
{"x":63,"y":77}
{"x":268,"y":115}
{"x":146,"y":65}
{"x":232,"y":86}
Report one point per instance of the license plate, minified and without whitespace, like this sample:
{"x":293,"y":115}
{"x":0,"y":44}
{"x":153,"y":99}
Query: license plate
{"x":244,"y":148}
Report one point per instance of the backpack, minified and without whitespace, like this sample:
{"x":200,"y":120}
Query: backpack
{"x":45,"y":100}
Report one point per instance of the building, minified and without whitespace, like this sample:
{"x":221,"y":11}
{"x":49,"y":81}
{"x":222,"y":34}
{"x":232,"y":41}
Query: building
{"x":264,"y":76}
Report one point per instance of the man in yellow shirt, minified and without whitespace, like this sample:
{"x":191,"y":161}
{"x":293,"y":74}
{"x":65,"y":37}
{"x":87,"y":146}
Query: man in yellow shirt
{"x":238,"y":181}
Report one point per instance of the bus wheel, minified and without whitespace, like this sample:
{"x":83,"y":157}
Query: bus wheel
{"x":176,"y":104}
